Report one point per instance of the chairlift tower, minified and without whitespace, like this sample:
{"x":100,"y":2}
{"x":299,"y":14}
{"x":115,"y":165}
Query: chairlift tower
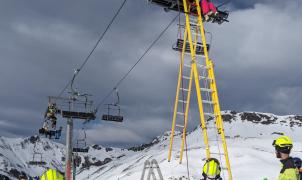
{"x":76,"y":106}
{"x":196,"y":66}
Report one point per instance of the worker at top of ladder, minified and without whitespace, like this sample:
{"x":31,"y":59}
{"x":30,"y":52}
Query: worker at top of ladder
{"x":211,"y":170}
{"x":209,"y":10}
{"x":283,"y":146}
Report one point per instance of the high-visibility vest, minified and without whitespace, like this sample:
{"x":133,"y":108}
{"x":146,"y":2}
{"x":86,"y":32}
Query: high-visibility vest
{"x":52,"y":174}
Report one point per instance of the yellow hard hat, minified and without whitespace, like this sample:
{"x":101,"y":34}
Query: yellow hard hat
{"x":283,"y":144}
{"x":211,"y":168}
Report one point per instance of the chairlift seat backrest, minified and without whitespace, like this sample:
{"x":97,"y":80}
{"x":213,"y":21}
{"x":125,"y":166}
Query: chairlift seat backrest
{"x":107,"y":117}
{"x":37,"y":163}
{"x":199,"y":48}
{"x":78,"y":115}
{"x":82,"y":150}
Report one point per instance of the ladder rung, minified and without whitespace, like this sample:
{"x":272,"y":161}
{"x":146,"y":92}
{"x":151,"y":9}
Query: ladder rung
{"x":208,"y":102}
{"x":181,"y":101}
{"x":180,"y":113}
{"x":211,"y":127}
{"x":217,"y":153}
{"x":206,"y":89}
{"x":210,"y":114}
{"x":194,"y":34}
{"x":213,"y":140}
{"x":194,"y":23}
{"x":206,"y":78}
{"x":192,"y":26}
{"x":181,"y":126}
{"x":186,"y":77}
{"x":183,"y":89}
{"x":187,"y":65}
{"x":202,"y":66}
{"x":199,"y":55}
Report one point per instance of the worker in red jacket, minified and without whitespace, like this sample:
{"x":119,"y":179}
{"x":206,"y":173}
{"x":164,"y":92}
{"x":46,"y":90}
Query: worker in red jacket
{"x":208,"y":9}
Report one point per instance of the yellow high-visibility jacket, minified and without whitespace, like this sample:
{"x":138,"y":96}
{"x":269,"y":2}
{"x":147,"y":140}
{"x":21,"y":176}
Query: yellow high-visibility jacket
{"x":289,"y":170}
{"x":52,"y":174}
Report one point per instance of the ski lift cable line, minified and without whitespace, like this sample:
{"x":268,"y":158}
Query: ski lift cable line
{"x":139,"y":60}
{"x":94,"y":47}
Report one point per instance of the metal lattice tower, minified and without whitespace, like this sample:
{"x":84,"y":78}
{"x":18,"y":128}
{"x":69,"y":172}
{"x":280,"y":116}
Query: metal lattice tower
{"x":198,"y":67}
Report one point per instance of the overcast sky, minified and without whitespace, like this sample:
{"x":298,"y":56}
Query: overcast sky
{"x":256,"y":55}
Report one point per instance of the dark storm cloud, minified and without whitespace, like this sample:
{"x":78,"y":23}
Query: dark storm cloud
{"x":43,"y":42}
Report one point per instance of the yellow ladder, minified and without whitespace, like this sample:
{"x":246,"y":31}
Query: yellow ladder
{"x":201,"y":71}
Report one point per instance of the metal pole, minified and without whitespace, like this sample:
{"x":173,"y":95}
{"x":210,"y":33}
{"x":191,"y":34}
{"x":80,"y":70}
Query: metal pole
{"x":74,"y":170}
{"x":69,"y":129}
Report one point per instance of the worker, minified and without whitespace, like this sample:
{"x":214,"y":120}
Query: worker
{"x":52,"y":174}
{"x":283,"y":146}
{"x":211,"y":169}
{"x":209,"y":10}
{"x":22,"y":177}
{"x":50,"y":114}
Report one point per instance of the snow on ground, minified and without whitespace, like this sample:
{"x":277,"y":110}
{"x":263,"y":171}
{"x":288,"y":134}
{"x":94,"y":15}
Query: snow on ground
{"x":251,"y":159}
{"x":249,"y":139}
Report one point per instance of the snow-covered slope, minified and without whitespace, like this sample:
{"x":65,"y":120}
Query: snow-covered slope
{"x":249,"y":137}
{"x":16,"y":155}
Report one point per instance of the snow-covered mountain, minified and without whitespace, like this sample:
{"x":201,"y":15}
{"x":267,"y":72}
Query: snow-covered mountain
{"x":249,"y":138}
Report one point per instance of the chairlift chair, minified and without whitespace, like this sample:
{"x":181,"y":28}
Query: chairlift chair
{"x":113,"y":107}
{"x":82,"y":108}
{"x":177,"y":5}
{"x":37,"y":162}
{"x":51,"y":133}
{"x":113,"y":117}
{"x":81,"y":145}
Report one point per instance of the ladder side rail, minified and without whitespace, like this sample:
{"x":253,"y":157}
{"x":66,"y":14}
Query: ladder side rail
{"x":154,"y":162}
{"x":146,"y":164}
{"x":176,"y":102}
{"x":151,"y":173}
{"x":196,"y":77}
{"x":202,"y":31}
{"x":187,"y":108}
{"x":213,"y":85}
{"x":219,"y":121}
{"x":186,"y":115}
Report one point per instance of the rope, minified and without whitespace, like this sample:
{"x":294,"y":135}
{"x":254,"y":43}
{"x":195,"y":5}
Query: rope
{"x":139,"y":60}
{"x":94,"y":47}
